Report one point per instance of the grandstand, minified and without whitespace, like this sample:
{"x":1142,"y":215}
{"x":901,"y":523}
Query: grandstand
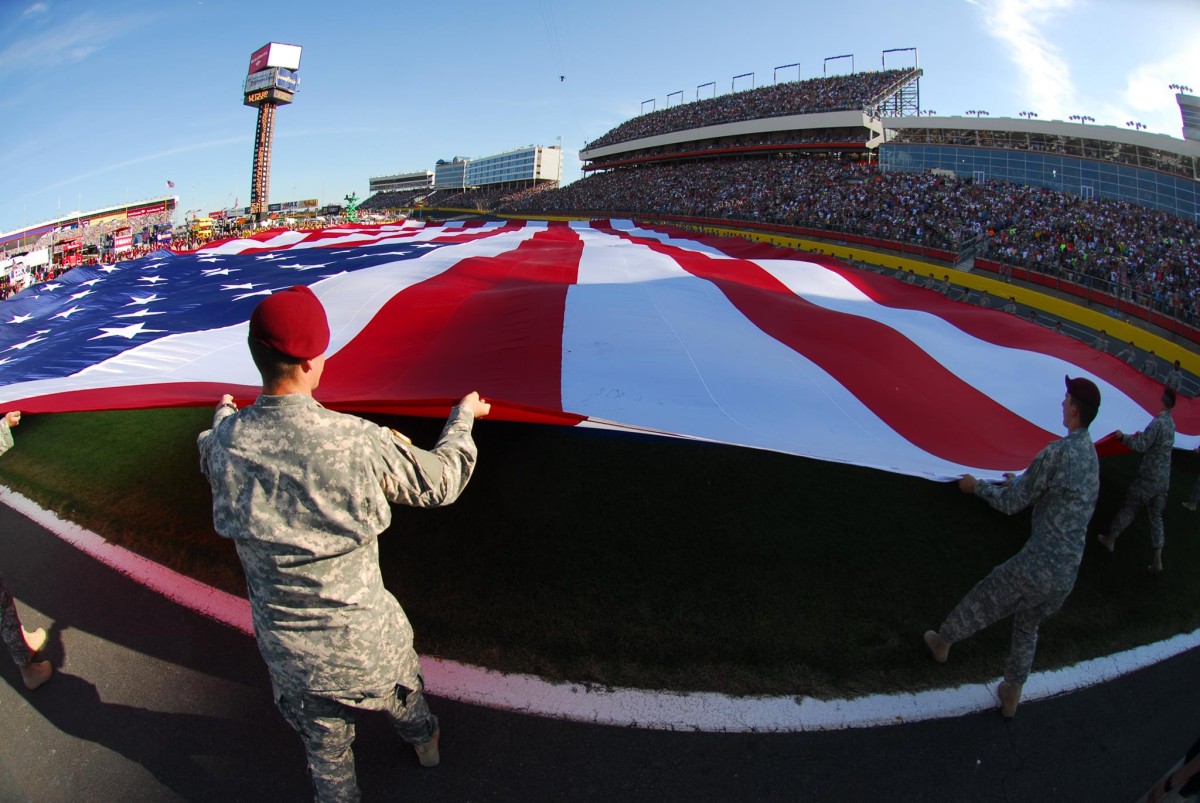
{"x":402,"y":182}
{"x":1151,"y":170}
{"x":76,"y":224}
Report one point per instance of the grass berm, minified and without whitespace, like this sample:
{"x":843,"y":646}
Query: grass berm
{"x":623,"y":560}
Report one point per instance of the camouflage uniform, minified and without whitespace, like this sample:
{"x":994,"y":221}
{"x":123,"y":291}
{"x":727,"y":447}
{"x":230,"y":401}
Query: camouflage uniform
{"x":304,"y":492}
{"x":1153,"y":479}
{"x":10,"y":622}
{"x":1062,"y":484}
{"x":1174,"y":378}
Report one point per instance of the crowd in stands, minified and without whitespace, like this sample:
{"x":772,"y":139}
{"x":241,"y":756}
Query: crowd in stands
{"x":775,"y":140}
{"x":1077,"y":146}
{"x":392,"y":200}
{"x":1114,"y":246}
{"x":491,"y":197}
{"x":836,"y":93}
{"x":92,"y":244}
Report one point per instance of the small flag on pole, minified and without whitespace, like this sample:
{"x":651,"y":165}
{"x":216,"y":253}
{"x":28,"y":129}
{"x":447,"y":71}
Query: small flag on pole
{"x":170,"y":184}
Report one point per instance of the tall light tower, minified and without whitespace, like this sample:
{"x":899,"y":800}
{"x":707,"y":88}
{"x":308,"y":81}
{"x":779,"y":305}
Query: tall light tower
{"x":271,"y":82}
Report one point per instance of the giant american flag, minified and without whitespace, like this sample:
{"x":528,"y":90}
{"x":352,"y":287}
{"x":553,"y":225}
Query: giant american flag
{"x":607,"y":323}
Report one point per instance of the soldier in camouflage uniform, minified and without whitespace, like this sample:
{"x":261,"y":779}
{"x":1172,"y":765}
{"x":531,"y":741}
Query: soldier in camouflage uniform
{"x":1062,"y":484}
{"x":1153,"y":480}
{"x":304,"y":492}
{"x":22,"y":644}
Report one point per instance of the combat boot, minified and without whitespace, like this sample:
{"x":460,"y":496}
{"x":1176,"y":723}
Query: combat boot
{"x":427,"y":753}
{"x":36,"y":673}
{"x":1010,"y":696}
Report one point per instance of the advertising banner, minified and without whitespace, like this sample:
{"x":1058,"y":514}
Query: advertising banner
{"x":145,"y":210}
{"x":274,"y":54}
{"x":122,"y":242}
{"x":39,"y":257}
{"x":272,"y":78}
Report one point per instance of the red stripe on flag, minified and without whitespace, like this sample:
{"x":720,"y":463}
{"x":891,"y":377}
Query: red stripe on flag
{"x":492,"y":324}
{"x":899,"y":382}
{"x":136,"y":397}
{"x":989,"y":325}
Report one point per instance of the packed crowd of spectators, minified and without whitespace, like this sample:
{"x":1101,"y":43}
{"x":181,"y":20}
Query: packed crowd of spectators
{"x":1080,"y":146}
{"x":392,"y":200}
{"x":1114,"y":246}
{"x":836,"y":93}
{"x":776,"y":140}
{"x":492,"y":197}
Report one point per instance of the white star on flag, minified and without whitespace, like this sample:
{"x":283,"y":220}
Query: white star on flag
{"x":67,"y":313}
{"x":140,"y":300}
{"x":381,"y":254}
{"x":80,"y":294}
{"x":20,"y":318}
{"x":131,"y":331}
{"x":35,"y":339}
{"x":256,"y":293}
{"x":142,"y":313}
{"x":246,"y":286}
{"x":152,"y":279}
{"x":218,"y":271}
{"x":90,"y":282}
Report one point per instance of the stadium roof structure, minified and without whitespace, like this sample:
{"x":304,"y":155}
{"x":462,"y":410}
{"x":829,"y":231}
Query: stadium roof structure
{"x":1052,"y":128}
{"x":1189,"y":110}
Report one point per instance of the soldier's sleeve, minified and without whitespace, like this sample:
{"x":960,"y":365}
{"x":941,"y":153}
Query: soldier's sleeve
{"x":414,"y":476}
{"x":1026,"y":489}
{"x":6,"y":438}
{"x":1141,"y":441}
{"x":204,"y":439}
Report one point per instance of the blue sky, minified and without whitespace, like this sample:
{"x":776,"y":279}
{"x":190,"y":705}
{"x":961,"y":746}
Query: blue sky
{"x":104,"y":101}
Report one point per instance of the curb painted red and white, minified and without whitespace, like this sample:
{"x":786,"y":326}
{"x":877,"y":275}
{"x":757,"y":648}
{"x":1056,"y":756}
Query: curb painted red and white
{"x":693,"y":711}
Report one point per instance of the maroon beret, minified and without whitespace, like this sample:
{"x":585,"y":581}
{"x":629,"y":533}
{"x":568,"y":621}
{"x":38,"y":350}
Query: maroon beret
{"x":291,"y":322}
{"x":1084,"y":391}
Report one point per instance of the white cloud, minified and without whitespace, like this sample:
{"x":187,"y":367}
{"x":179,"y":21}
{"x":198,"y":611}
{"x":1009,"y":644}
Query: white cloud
{"x":36,"y":8}
{"x":1023,"y":27}
{"x":1146,"y":97}
{"x":66,"y":43}
{"x":148,"y":157}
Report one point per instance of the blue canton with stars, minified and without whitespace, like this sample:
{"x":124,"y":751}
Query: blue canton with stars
{"x":91,"y":314}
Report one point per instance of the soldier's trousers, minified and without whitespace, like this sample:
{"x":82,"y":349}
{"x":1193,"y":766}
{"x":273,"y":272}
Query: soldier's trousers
{"x":1194,"y":498}
{"x":326,"y":726}
{"x":10,"y":627}
{"x":1006,"y":592}
{"x":1155,"y":502}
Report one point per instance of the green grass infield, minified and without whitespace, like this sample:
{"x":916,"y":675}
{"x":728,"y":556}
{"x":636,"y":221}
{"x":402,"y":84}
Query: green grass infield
{"x":623,"y":560}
